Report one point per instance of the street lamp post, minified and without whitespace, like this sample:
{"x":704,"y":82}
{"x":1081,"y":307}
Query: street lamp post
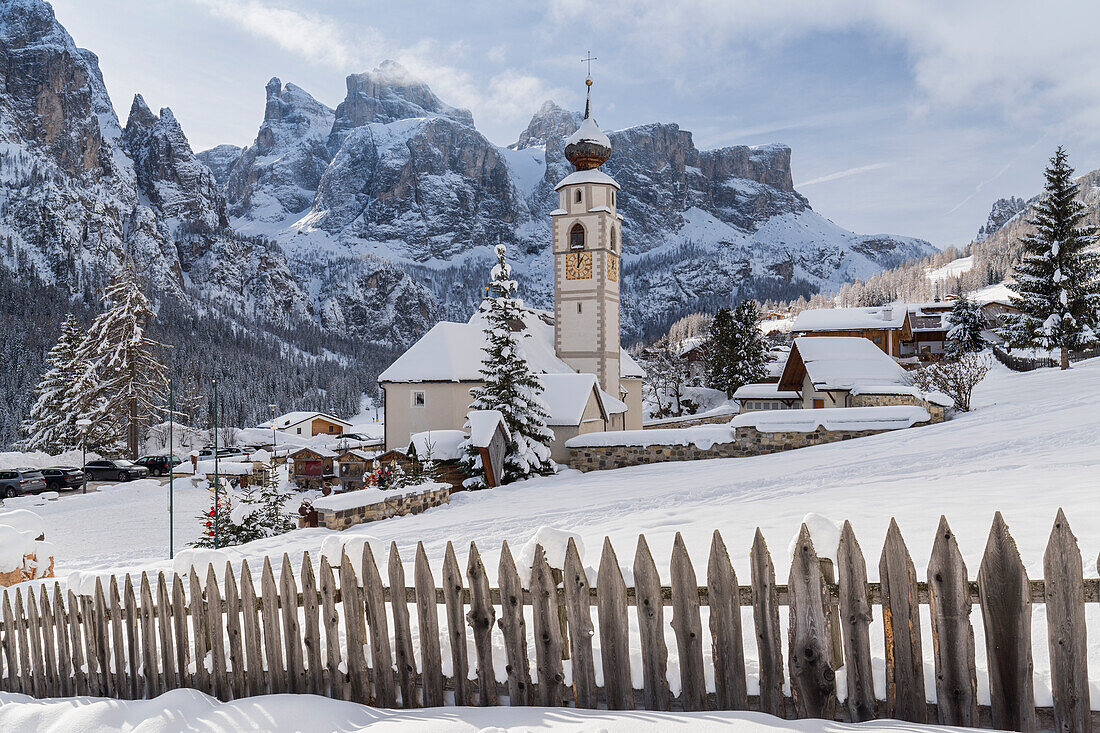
{"x":272,"y":407}
{"x":84,"y":423}
{"x":216,"y":485}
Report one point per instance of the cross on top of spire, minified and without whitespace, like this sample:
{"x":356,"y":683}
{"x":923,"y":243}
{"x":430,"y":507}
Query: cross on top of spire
{"x":588,"y":59}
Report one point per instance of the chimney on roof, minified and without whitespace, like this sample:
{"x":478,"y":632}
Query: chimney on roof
{"x":888,"y":312}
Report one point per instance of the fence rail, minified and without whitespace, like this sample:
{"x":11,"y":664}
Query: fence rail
{"x":309,"y":632}
{"x":1019,"y":363}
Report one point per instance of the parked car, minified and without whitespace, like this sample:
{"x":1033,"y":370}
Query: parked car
{"x":62,"y":477}
{"x":207,"y":453}
{"x":115,"y":470}
{"x":158,"y":465}
{"x":17,"y":481}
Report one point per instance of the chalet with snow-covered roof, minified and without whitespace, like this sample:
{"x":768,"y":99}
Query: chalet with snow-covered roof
{"x":881,"y":325}
{"x":590,"y":384}
{"x":308,"y":423}
{"x":925,"y":332}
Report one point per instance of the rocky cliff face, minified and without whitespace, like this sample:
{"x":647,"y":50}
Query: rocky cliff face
{"x":1001,"y":213}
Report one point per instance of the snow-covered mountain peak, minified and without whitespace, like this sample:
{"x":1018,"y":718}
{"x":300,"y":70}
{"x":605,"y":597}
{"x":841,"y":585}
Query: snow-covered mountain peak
{"x":551,"y":121}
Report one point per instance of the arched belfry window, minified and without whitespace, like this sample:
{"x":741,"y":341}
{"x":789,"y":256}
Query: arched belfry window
{"x":576,"y":237}
{"x":578,"y":196}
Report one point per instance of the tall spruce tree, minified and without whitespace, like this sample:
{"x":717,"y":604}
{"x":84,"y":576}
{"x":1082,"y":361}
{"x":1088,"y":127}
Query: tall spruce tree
{"x":1058,"y":282}
{"x":735,"y":352}
{"x":51,"y":423}
{"x":510,"y":385}
{"x":123,"y":386}
{"x":967,"y":324}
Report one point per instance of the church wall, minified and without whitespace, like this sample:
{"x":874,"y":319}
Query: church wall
{"x":633,"y":400}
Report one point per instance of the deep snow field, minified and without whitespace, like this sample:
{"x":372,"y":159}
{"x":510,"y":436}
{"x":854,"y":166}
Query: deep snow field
{"x":1030,"y":446}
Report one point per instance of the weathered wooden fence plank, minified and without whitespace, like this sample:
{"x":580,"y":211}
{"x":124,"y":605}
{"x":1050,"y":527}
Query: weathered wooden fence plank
{"x":238,"y":675}
{"x":201,"y":679}
{"x":149,"y":660}
{"x":65,"y":672}
{"x":122,"y":689}
{"x":727,"y":646}
{"x":765,"y":611}
{"x":1066,"y":636}
{"x":34,"y":633}
{"x":688,"y":626}
{"x":614,"y":631}
{"x":11,"y":658}
{"x":952,"y":632}
{"x":292,"y":632}
{"x":256,"y":680}
{"x":311,"y":639}
{"x":544,"y":614}
{"x":354,"y":620}
{"x":76,"y":646}
{"x":133,"y":650}
{"x":651,"y":626}
{"x":402,"y":632}
{"x":1006,"y":615}
{"x":49,"y":649}
{"x":102,"y":639}
{"x":578,"y":611}
{"x":381,"y":658}
{"x":514,"y":628}
{"x":855,"y":621}
{"x":91,"y":655}
{"x":338,"y":680}
{"x":481,"y":617}
{"x":813,"y":681}
{"x":428,"y":624}
{"x":901,"y":622}
{"x":272,"y":633}
{"x":215,"y":626}
{"x":179,"y":624}
{"x":456,"y":626}
{"x":164,"y":634}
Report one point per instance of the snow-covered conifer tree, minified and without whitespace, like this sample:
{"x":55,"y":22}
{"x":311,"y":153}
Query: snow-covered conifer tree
{"x":1058,"y":282}
{"x":736,"y":353}
{"x":51,"y":424}
{"x":123,"y":384}
{"x":510,"y":385}
{"x":719,"y":349}
{"x":967,"y":325}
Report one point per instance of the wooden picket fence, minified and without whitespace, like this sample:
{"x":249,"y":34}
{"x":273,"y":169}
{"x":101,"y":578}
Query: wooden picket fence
{"x":335,"y":634}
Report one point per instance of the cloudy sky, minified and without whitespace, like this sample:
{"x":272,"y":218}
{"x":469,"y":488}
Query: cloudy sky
{"x":908,"y":117}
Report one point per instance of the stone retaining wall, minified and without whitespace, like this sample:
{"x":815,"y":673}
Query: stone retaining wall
{"x":747,"y":441}
{"x":687,"y":422}
{"x":397,"y":506}
{"x":938,"y":413}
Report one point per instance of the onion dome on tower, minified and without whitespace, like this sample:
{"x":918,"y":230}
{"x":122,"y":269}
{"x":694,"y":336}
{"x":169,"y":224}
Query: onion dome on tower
{"x":588,"y":147}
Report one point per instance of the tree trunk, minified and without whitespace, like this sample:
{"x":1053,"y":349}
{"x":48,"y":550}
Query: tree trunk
{"x":1065,"y":358}
{"x":132,"y":429}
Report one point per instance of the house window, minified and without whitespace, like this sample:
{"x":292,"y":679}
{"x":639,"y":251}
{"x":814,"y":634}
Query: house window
{"x":299,"y":431}
{"x":878,"y":340}
{"x":576,"y":236}
{"x":579,"y":307}
{"x":577,"y":196}
{"x":419,"y":398}
{"x":330,"y":428}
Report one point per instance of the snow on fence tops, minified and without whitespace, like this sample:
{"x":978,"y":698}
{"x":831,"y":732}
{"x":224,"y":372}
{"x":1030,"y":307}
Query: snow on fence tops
{"x":890,"y":417}
{"x":366,"y":497}
{"x":701,"y":436}
{"x":335,"y":545}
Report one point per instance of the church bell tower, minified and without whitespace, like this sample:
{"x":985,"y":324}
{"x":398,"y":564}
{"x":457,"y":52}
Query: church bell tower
{"x":587,"y":245}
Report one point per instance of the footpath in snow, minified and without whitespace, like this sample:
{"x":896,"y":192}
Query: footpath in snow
{"x":189,"y":710}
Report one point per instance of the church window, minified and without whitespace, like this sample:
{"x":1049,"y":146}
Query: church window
{"x":419,"y":398}
{"x":579,"y":309}
{"x":612,"y":198}
{"x":612,"y":239}
{"x":576,"y":236}
{"x":578,"y":196}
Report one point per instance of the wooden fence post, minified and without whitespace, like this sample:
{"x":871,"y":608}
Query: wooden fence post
{"x":855,"y":615}
{"x":164,"y":628}
{"x":428,"y":620}
{"x":688,"y":626}
{"x":456,"y":626}
{"x":1065,"y":605}
{"x":121,"y":688}
{"x":614,"y":631}
{"x":198,"y":631}
{"x":179,"y":619}
{"x":514,"y":628}
{"x":765,"y":610}
{"x":311,"y":639}
{"x":905,"y":698}
{"x":651,"y":629}
{"x":239,"y":679}
{"x":256,"y":680}
{"x":727,"y":647}
{"x":65,"y":672}
{"x":952,"y":632}
{"x":149,"y":640}
{"x":813,"y":681}
{"x":273,"y":638}
{"x":292,"y":629}
{"x":381,"y":660}
{"x":481,"y":617}
{"x":1005,"y":597}
{"x":354,"y":620}
{"x":544,"y":612}
{"x":402,"y":632}
{"x":338,"y":680}
{"x":578,"y":611}
{"x":215,"y":624}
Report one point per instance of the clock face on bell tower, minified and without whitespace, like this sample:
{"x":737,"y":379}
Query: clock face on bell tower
{"x":578,"y":266}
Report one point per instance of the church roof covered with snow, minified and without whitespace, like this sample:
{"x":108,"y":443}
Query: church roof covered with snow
{"x":452,"y":352}
{"x":840,"y":363}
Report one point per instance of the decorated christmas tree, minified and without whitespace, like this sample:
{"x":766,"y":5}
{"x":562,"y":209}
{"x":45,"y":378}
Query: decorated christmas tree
{"x":217,"y":530}
{"x":1057,"y":284}
{"x":510,"y":385}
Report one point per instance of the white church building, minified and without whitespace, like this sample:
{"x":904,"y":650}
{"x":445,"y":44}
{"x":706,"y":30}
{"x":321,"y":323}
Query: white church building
{"x":590,"y":383}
